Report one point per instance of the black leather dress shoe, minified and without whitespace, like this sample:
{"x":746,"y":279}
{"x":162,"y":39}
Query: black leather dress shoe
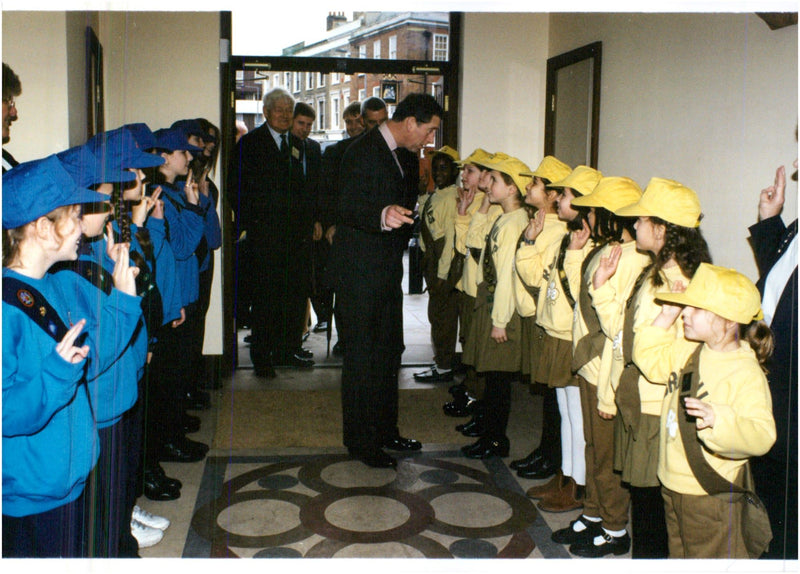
{"x":433,"y":375}
{"x":338,"y":349}
{"x":295,"y":361}
{"x":460,"y":407}
{"x":321,"y":327}
{"x":487,"y":447}
{"x":197,"y":400}
{"x":529,"y":461}
{"x":475,"y":427}
{"x":265,"y":372}
{"x":156,"y":488}
{"x":182,"y":450}
{"x":305,"y":353}
{"x":402,"y":444}
{"x":611,"y":545}
{"x":374,"y":458}
{"x":544,"y":469}
{"x":190,"y":423}
{"x":158,"y":470}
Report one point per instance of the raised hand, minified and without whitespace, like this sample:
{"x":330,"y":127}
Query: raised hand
{"x":669,"y":313}
{"x":607,"y":267}
{"x":465,"y":199}
{"x":535,"y":225}
{"x":578,"y":239}
{"x":66,"y":347}
{"x":190,"y":190}
{"x":770,"y":202}
{"x":124,"y":274}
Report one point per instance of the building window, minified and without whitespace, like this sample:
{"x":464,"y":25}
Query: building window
{"x":296,"y":85}
{"x":390,"y":110}
{"x":287,"y":79}
{"x":376,"y":91}
{"x":321,"y":114}
{"x":345,"y":98}
{"x":276,"y":80}
{"x":309,"y":80}
{"x":440,"y":47}
{"x":362,"y":95}
{"x":334,"y":78}
{"x":376,"y":50}
{"x":335,"y":112}
{"x":362,"y":51}
{"x":392,"y":47}
{"x":321,"y":79}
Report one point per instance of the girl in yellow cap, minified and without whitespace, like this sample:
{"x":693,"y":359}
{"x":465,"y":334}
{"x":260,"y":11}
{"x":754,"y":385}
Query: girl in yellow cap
{"x":494,"y":340}
{"x":668,"y":229}
{"x":474,"y":218}
{"x":717,"y":411}
{"x":543,"y":234}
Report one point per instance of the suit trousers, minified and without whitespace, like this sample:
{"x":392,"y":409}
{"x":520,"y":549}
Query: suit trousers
{"x":703,"y":526}
{"x":605,"y":495}
{"x":371,"y":323}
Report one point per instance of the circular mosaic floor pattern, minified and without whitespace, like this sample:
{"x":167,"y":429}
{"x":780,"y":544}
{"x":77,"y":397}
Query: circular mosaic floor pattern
{"x":430,"y":507}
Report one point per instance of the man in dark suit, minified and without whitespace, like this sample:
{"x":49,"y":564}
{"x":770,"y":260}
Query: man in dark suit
{"x":327,"y":202}
{"x":379,"y":178}
{"x":12,"y":88}
{"x":275,"y":209}
{"x":775,"y":473}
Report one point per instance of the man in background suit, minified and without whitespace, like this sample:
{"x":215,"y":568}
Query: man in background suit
{"x":379,"y":178}
{"x":12,"y":88}
{"x":275,"y":209}
{"x":775,"y":473}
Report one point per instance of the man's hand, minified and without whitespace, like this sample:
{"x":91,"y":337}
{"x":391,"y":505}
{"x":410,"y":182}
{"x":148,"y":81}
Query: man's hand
{"x":771,"y":201}
{"x":397,"y":216}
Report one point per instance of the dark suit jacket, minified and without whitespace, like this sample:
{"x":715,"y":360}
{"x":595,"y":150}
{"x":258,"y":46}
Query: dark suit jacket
{"x":769,"y":238}
{"x":328,"y":196}
{"x":273,"y":203}
{"x":370,"y":181}
{"x":313,"y":156}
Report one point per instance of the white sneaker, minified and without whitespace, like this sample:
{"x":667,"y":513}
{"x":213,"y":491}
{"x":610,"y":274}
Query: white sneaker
{"x":151,"y":520}
{"x":145,"y":535}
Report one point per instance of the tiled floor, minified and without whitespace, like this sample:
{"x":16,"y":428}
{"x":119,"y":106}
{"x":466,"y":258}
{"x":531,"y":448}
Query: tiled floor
{"x":293,"y":502}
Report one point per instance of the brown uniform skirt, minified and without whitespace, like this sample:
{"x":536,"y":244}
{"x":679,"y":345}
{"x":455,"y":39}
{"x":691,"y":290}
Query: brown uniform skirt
{"x":636,"y":453}
{"x":554,"y":363}
{"x":532,"y":341}
{"x":483,"y":352}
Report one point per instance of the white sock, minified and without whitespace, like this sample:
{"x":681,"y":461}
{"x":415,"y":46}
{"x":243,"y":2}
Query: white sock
{"x":580,"y":524}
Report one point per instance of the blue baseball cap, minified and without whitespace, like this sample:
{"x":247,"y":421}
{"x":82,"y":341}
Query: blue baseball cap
{"x":174,"y":140}
{"x":120,"y":149}
{"x":143,"y":134}
{"x":36,"y":188}
{"x":82,"y":165}
{"x":190,"y":128}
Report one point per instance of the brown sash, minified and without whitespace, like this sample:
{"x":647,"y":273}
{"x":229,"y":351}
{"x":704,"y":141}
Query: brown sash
{"x":591,"y":345}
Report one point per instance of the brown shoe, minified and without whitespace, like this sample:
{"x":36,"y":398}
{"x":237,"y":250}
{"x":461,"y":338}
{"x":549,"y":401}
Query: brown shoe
{"x":564,"y":499}
{"x":547,"y":489}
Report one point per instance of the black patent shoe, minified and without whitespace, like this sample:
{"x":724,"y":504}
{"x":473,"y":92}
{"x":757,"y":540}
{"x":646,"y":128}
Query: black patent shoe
{"x":527,"y":462}
{"x":295,"y":361}
{"x":402,"y":444}
{"x":475,"y":427}
{"x":610,"y":545}
{"x":433,"y":375}
{"x":487,"y":447}
{"x":459,"y":407}
{"x":569,"y":535}
{"x":190,"y":423}
{"x":544,"y":469}
{"x":158,"y":470}
{"x":182,"y":450}
{"x":156,"y":488}
{"x":196,"y":400}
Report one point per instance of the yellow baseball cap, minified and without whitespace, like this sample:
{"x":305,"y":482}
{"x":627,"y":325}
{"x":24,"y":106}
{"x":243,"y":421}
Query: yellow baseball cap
{"x":492,"y":158}
{"x":477,"y":156}
{"x":612,"y":193}
{"x":667,"y":200}
{"x":582,"y":179}
{"x":448,"y":151}
{"x":512,"y":167}
{"x":725,"y":292}
{"x":551,"y":169}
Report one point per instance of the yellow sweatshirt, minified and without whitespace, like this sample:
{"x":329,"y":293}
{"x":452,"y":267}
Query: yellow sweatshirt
{"x":737,"y":390}
{"x":442,"y":224}
{"x":646,"y":309}
{"x":503,"y":244}
{"x":609,"y":303}
{"x":471,"y":230}
{"x":531,"y":261}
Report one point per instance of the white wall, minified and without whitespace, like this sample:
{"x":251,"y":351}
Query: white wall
{"x":503,"y":79}
{"x":159,"y":67}
{"x":35,"y":46}
{"x":707,"y":99}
